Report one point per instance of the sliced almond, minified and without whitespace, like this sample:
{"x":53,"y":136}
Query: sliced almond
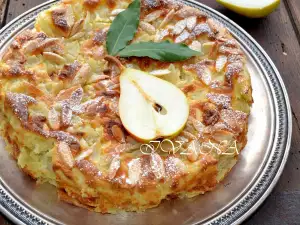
{"x":187,"y":11}
{"x":196,"y":45}
{"x":157,"y":166}
{"x":193,"y":151}
{"x":202,"y":28}
{"x":84,"y":154}
{"x":197,"y":125}
{"x":48,"y":42}
{"x":114,"y":86}
{"x":77,"y":36}
{"x":230,"y":50}
{"x":206,"y":76}
{"x":54,"y":57}
{"x":160,"y":72}
{"x":118,"y":133}
{"x":66,"y":113}
{"x":167,"y":19}
{"x":221,"y":62}
{"x":161,"y":34}
{"x":153,"y":16}
{"x":30,"y":46}
{"x":182,"y":37}
{"x":217,"y":28}
{"x":179,"y":27}
{"x":82,"y":75}
{"x":174,"y":167}
{"x":191,"y":22}
{"x":189,"y":135}
{"x":77,"y":27}
{"x":76,"y":98}
{"x":19,"y":104}
{"x":115,"y":12}
{"x":147,"y":27}
{"x":114,"y":167}
{"x":221,"y":100}
{"x":65,"y":154}
{"x":134,"y":171}
{"x":103,"y":77}
{"x":53,"y":119}
{"x":70,"y":18}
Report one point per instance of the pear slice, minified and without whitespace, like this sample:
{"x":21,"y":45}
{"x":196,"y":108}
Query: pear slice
{"x":150,"y":107}
{"x":251,"y":8}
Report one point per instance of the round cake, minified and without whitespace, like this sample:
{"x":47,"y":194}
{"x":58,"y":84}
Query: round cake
{"x":64,"y":123}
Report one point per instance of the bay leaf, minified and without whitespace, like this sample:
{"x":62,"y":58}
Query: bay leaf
{"x":123,"y":28}
{"x":163,"y":51}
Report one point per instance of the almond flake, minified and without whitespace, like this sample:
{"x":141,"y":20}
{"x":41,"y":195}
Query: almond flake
{"x":76,"y":97}
{"x":153,"y":16}
{"x":65,"y":154}
{"x":66,"y":113}
{"x":167,"y":19}
{"x":118,"y":133}
{"x":179,"y":27}
{"x":160,"y":72}
{"x":191,"y":22}
{"x":221,"y":62}
{"x":182,"y":37}
{"x":54,"y":57}
{"x":84,"y":154}
{"x":53,"y":119}
{"x":82,"y":75}
{"x":157,"y":165}
{"x":134,"y":171}
{"x":196,"y":46}
{"x":114,"y":167}
{"x":115,"y":12}
{"x":19,"y":104}
{"x":147,"y":27}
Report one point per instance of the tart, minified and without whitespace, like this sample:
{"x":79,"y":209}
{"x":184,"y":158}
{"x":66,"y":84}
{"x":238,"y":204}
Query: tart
{"x":60,"y":116}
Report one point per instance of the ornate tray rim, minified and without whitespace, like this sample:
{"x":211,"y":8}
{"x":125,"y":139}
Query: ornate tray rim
{"x":246,"y":204}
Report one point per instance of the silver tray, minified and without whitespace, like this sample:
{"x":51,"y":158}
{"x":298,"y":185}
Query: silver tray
{"x":236,"y":198}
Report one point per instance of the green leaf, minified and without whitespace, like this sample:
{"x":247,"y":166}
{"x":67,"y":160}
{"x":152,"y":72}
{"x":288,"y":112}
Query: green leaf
{"x":163,"y":51}
{"x":123,"y":28}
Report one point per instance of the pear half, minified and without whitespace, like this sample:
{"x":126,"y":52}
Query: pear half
{"x":150,"y":107}
{"x":251,"y":8}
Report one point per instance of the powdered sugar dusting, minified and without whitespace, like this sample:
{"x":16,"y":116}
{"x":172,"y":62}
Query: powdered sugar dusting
{"x":232,"y":69}
{"x":19,"y":104}
{"x":76,"y":97}
{"x":202,"y":28}
{"x":182,"y":37}
{"x":220,"y":100}
{"x":66,"y":113}
{"x":67,"y":138}
{"x":157,"y":165}
{"x":114,"y":166}
{"x":174,"y":167}
{"x":134,"y":171}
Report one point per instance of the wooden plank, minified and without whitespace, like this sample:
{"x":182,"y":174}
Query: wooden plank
{"x":294,"y":11}
{"x":17,"y":7}
{"x":3,"y":7}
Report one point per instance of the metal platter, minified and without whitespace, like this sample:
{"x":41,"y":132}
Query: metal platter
{"x":236,"y":198}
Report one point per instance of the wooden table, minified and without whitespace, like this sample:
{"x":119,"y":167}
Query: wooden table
{"x":279,"y":35}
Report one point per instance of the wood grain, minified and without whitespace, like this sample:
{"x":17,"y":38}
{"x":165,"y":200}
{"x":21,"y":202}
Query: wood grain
{"x":3,"y":6}
{"x":279,"y":35}
{"x":294,"y":10}
{"x":17,"y":7}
